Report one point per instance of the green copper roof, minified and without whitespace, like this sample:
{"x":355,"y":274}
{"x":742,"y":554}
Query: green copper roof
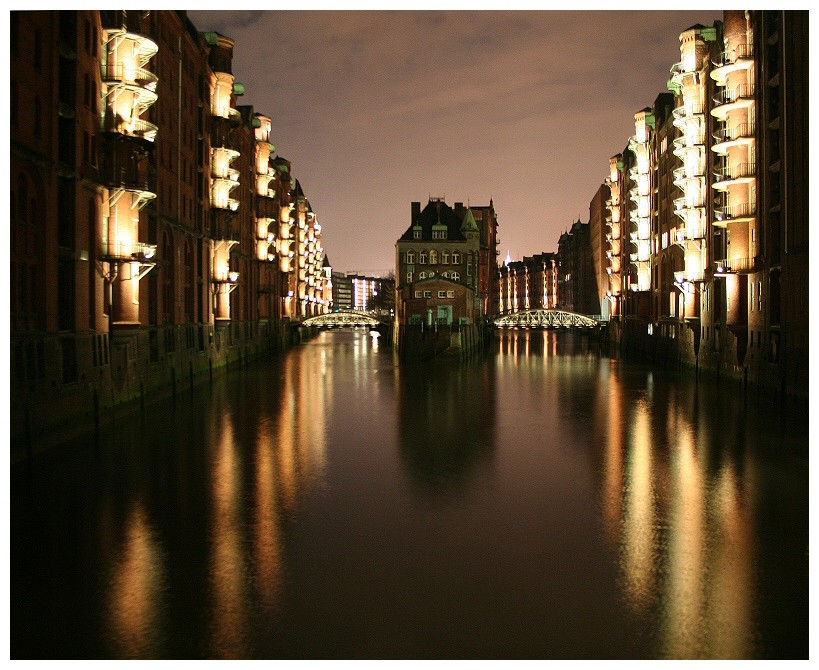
{"x":469,"y":224}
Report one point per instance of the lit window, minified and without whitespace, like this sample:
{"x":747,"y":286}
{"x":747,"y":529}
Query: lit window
{"x":450,"y":294}
{"x":433,"y":257}
{"x":455,"y":276}
{"x":418,"y":294}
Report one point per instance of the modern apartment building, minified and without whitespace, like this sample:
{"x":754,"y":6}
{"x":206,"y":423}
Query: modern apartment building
{"x":155,"y":233}
{"x":716,"y":275}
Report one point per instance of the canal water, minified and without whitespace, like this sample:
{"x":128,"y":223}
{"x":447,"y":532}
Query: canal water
{"x":542,"y":502}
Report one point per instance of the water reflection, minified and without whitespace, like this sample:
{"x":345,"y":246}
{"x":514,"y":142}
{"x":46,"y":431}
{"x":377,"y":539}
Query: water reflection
{"x":544,"y":502}
{"x":137,"y":584}
{"x":446,"y":422}
{"x":672,"y":500}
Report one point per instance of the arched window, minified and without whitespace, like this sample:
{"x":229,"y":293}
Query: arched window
{"x":433,"y":257}
{"x":423,"y":275}
{"x":422,"y":258}
{"x":455,"y":276}
{"x":410,"y":257}
{"x":445,"y":258}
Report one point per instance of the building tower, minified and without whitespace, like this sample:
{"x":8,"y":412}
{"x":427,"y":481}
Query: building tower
{"x":128,"y":88}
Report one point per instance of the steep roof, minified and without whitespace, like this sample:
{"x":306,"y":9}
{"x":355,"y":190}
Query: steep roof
{"x":469,"y":225}
{"x":436,"y":211}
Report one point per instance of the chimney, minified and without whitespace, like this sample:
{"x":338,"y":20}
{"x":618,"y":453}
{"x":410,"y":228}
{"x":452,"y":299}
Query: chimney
{"x":416,"y":212}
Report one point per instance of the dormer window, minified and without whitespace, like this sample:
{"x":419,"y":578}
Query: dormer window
{"x":416,"y":233}
{"x":439,"y":234}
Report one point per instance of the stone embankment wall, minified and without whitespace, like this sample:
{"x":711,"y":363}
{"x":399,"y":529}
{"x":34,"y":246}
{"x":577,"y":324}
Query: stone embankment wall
{"x":130,"y":371}
{"x":721,"y":357}
{"x":422,"y":342}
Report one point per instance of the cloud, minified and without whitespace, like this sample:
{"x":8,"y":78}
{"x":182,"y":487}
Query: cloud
{"x":526,"y":106}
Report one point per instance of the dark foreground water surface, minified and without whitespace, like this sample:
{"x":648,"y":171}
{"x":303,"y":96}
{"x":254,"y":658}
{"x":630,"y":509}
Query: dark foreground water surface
{"x":541,"y":503}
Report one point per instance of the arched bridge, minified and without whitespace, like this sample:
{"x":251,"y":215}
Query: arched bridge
{"x":545,"y":318}
{"x":345,"y":318}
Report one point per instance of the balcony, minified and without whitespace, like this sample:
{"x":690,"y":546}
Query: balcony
{"x":739,"y":92}
{"x":738,"y":265}
{"x":725,"y":138}
{"x":128,"y":252}
{"x":745,"y":210}
{"x":688,"y":234}
{"x":126,"y":75}
{"x":735,"y":174}
{"x":739,"y":57}
{"x":730,"y":99}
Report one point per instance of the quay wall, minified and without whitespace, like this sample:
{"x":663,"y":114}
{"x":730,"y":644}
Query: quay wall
{"x":121,"y":374}
{"x":423,"y":342}
{"x":721,"y":355}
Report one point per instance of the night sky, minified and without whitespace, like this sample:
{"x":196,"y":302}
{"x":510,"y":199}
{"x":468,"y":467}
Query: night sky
{"x":377,"y":109}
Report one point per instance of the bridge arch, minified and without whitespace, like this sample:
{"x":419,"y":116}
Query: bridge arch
{"x":342,"y":318}
{"x":545,"y":318}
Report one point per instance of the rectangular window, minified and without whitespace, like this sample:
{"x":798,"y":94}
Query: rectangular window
{"x":450,"y":294}
{"x":409,"y":277}
{"x":418,"y":294}
{"x":427,"y":294}
{"x":442,"y":294}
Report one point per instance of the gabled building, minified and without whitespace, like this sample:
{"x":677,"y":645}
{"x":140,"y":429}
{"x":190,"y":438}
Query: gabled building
{"x":447,"y":243}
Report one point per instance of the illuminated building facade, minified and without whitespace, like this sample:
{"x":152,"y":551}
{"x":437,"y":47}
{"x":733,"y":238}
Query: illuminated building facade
{"x":528,"y":284}
{"x":155,"y":232}
{"x":716,"y":275}
{"x":455,"y":245}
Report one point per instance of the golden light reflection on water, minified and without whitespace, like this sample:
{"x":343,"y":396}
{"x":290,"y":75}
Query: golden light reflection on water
{"x":639,"y":512}
{"x":685,"y":531}
{"x":302,"y":431}
{"x":613,"y":459}
{"x":137,"y":584}
{"x":683,"y":617}
{"x":266,"y":538}
{"x":227,"y":566}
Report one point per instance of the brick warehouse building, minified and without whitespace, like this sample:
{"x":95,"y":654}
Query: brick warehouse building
{"x":155,"y":233}
{"x":457,"y":245}
{"x":708,"y":207}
